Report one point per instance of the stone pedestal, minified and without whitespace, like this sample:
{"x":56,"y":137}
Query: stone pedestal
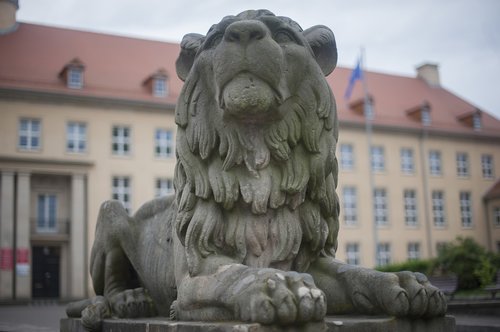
{"x":331,"y":324}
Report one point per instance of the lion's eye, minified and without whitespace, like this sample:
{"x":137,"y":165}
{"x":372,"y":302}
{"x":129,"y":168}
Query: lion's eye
{"x":214,"y":40}
{"x":283,"y":36}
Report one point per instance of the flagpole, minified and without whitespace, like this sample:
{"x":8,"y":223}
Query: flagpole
{"x":368,"y":113}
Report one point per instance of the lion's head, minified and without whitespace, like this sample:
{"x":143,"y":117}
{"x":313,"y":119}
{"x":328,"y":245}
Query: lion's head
{"x":256,"y":171}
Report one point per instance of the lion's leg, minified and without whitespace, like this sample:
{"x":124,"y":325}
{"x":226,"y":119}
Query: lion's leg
{"x":352,"y":289}
{"x":239,"y":292}
{"x":113,"y":276}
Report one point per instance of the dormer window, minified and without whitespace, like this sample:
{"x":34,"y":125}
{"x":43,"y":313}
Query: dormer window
{"x":472,"y":119}
{"x":75,"y":78}
{"x":421,"y":113}
{"x":361,"y":107}
{"x":476,"y":121}
{"x":72,"y":74}
{"x":426,"y":116}
{"x":157,"y":83}
{"x":160,"y":87}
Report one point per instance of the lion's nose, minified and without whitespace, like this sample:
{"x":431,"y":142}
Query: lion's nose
{"x":245,"y":32}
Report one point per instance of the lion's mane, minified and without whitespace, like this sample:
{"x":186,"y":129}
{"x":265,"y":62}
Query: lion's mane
{"x":263,"y":195}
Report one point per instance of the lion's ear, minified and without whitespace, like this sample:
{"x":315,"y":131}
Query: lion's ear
{"x":322,"y":42}
{"x":189,"y":47}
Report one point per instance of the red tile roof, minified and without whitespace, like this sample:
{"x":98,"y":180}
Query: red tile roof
{"x":116,"y":67}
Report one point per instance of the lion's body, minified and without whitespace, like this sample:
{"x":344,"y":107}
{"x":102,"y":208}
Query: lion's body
{"x":252,"y":231}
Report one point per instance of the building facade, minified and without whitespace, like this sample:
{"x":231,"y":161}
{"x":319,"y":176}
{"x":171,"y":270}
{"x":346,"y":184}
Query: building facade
{"x":87,"y":117}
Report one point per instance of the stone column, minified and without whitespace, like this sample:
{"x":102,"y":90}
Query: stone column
{"x":78,"y":238}
{"x":23,"y":246}
{"x":6,"y":235}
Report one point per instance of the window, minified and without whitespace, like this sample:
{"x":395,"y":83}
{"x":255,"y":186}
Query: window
{"x":496,"y":216}
{"x":377,"y":158}
{"x":383,"y":254}
{"x":120,"y":140}
{"x":352,"y":253}
{"x":75,"y":78}
{"x":465,"y":209}
{"x":380,"y":207}
{"x":46,"y":220}
{"x":476,"y":121}
{"x":29,"y":134}
{"x":121,"y":191}
{"x":76,"y":137}
{"x":350,"y":208}
{"x":410,"y":205}
{"x":462,"y":164}
{"x":164,"y":187}
{"x":164,"y":143}
{"x":407,"y":161}
{"x":438,"y":208}
{"x":426,"y":116}
{"x":487,"y":166}
{"x":160,"y":87}
{"x":413,"y":251}
{"x":346,"y":157}
{"x":435,"y":162}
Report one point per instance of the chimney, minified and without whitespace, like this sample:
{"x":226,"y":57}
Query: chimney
{"x":429,"y":72}
{"x":8,"y":10}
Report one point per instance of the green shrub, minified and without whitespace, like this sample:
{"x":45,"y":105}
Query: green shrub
{"x":469,"y":261}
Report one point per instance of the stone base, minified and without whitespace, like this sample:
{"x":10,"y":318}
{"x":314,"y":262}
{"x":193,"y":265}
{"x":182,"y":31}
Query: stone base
{"x":331,"y":324}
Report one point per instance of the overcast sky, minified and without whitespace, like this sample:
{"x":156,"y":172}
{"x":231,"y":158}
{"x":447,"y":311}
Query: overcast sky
{"x":461,"y":36}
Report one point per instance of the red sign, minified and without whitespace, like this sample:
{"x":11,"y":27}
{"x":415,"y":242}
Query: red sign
{"x":23,"y":255}
{"x":6,"y":259}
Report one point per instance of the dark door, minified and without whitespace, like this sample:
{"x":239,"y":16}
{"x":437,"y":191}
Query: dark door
{"x":46,"y":271}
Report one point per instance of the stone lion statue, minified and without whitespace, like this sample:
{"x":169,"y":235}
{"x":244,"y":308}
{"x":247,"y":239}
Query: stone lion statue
{"x":251,"y":233}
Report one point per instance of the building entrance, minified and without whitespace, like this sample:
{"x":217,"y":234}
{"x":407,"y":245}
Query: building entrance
{"x":46,"y":261}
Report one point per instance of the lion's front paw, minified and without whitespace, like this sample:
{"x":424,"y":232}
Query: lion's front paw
{"x":132,"y":303}
{"x":276,"y":297}
{"x":398,"y":294}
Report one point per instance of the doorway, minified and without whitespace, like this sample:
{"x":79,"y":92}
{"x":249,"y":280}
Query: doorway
{"x":45,"y":281}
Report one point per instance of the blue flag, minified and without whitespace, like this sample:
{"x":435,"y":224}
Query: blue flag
{"x":357,"y":74}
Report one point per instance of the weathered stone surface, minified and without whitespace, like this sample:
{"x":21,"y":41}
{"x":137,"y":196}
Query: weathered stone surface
{"x":251,"y":233}
{"x":331,"y":324}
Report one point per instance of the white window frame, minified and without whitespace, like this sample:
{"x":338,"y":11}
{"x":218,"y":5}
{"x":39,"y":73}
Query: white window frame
{"x":413,"y":250}
{"x":160,"y":87}
{"x":75,"y":78}
{"x":352,"y":255}
{"x":426,"y":117}
{"x":487,"y":166}
{"x":164,"y":143}
{"x":438,"y":209}
{"x":76,"y":137}
{"x":407,"y":162}
{"x":46,"y":219}
{"x":30,"y":130}
{"x":410,"y":207}
{"x":121,"y":140}
{"x":496,"y":216}
{"x":476,"y":121}
{"x":377,"y":158}
{"x":462,"y":159}
{"x":435,"y":164}
{"x":465,"y":209}
{"x":380,"y":210}
{"x":164,"y":187}
{"x":346,"y":157}
{"x":349,"y":200}
{"x":383,"y":254}
{"x":121,"y":190}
